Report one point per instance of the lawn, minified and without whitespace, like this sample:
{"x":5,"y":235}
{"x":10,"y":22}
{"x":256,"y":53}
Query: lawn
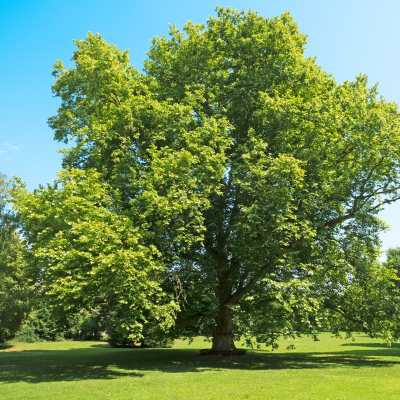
{"x":329,"y":369}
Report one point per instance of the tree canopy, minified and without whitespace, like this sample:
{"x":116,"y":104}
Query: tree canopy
{"x":232,"y":186}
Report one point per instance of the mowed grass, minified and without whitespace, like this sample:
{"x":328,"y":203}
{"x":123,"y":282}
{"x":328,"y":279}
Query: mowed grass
{"x":329,"y":369}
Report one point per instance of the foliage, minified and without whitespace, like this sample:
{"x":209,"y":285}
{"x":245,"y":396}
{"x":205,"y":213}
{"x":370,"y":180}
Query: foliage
{"x":13,"y":292}
{"x":152,"y":335}
{"x":43,"y":323}
{"x":88,"y":252}
{"x":234,"y":180}
{"x":393,"y":259}
{"x":92,"y":325}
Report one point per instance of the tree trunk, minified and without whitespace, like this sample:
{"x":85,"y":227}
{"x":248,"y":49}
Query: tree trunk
{"x":223,"y":331}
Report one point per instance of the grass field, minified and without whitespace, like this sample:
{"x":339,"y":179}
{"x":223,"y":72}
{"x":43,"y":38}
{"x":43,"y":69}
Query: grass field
{"x":329,"y":369}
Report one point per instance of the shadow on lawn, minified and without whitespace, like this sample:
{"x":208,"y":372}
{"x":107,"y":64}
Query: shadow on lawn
{"x":102,"y":362}
{"x":35,"y":366}
{"x":394,"y":346}
{"x":376,"y":349}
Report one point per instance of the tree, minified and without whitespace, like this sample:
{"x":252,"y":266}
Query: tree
{"x":393,"y":259}
{"x":237,"y":171}
{"x":44,"y":323}
{"x":13,"y":293}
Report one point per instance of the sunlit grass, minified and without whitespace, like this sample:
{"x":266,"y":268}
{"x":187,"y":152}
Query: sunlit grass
{"x":329,"y":369}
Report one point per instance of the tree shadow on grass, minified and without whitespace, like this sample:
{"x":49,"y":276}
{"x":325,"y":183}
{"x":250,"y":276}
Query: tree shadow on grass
{"x":371,"y":349}
{"x":393,"y":346}
{"x":35,"y":366}
{"x":103,"y":362}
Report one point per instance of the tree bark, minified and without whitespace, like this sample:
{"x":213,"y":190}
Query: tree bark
{"x":223,"y":331}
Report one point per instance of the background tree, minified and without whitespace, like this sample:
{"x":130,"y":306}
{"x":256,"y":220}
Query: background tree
{"x":393,"y":259}
{"x":245,"y":172}
{"x":43,"y":323}
{"x":13,"y":292}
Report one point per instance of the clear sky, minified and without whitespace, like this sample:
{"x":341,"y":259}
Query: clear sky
{"x":347,"y":36}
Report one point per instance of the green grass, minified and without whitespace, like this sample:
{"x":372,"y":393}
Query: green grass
{"x":329,"y":369}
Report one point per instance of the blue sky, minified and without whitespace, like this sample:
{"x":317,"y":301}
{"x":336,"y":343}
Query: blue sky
{"x":348,"y":37}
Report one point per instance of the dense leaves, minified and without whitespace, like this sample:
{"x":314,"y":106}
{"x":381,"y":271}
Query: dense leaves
{"x":393,"y":260}
{"x":234,"y":180}
{"x":13,"y":286}
{"x":86,"y":252}
{"x":43,"y":323}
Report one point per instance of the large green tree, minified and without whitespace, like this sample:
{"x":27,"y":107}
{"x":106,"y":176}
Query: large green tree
{"x":233,"y":179}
